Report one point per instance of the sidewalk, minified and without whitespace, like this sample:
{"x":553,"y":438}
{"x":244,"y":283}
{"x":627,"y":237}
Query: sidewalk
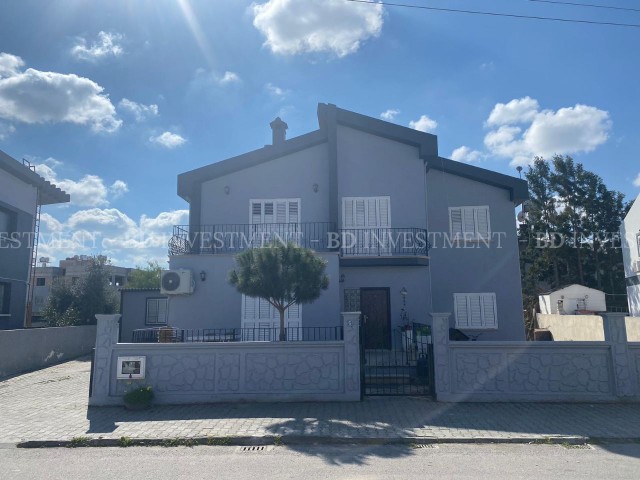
{"x":51,"y":405}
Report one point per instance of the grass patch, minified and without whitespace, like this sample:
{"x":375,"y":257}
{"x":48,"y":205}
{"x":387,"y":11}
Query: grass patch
{"x":277,"y":441}
{"x":79,"y":442}
{"x":218,"y":441}
{"x":125,"y":442}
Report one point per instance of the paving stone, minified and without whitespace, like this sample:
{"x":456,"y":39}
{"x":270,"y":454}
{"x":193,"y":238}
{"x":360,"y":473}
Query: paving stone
{"x":51,"y":404}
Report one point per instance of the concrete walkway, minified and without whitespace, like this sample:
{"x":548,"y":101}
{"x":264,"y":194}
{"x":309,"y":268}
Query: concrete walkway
{"x":51,"y":404}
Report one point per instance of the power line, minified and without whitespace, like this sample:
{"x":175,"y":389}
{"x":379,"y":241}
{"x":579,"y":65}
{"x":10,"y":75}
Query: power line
{"x":496,"y":14}
{"x":590,"y":5}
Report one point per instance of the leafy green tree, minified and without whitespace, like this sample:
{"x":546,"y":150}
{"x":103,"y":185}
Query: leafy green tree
{"x":145,"y":277}
{"x":572,"y":211}
{"x":282,"y":274}
{"x":78,"y":304}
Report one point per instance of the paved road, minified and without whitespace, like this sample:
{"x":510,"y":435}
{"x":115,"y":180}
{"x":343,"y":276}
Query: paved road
{"x":477,"y":462}
{"x":51,"y":404}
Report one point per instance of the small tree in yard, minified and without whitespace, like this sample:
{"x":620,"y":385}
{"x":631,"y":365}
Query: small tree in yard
{"x":282,"y":274}
{"x":145,"y":277}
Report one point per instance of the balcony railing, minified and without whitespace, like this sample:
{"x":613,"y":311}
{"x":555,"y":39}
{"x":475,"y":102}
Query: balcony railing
{"x":318,"y":236}
{"x":237,"y":237}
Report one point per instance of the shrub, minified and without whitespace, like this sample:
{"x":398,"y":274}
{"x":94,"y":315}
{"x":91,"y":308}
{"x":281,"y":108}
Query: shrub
{"x":139,"y":396}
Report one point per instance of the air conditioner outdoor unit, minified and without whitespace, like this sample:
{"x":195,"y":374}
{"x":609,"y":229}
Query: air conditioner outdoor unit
{"x":635,"y":266}
{"x":177,"y":282}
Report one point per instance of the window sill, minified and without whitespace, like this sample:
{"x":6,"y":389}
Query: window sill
{"x":5,"y":314}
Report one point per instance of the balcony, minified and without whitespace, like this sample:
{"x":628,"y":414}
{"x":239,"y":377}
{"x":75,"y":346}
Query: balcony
{"x":356,"y":246}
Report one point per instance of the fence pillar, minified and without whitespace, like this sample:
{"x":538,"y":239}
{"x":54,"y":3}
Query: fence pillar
{"x":106,"y":337}
{"x":440,"y":337}
{"x":615,"y":332}
{"x":351,"y":325}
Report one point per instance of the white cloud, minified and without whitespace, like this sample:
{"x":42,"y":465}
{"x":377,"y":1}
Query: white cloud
{"x":465,"y":154}
{"x":518,"y":110}
{"x":88,"y":191}
{"x":110,"y":232}
{"x":636,"y":182}
{"x":10,"y":65}
{"x":139,"y":111}
{"x":107,"y":44}
{"x":389,"y":114}
{"x":33,"y":96}
{"x":228,"y":78}
{"x":523,"y":131}
{"x":118,"y":188}
{"x":275,"y":90}
{"x":424,"y":124}
{"x":168,"y":140}
{"x":298,"y":26}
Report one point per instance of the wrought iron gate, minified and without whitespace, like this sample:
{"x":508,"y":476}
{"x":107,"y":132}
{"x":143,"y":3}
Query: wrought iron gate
{"x":406,"y":368}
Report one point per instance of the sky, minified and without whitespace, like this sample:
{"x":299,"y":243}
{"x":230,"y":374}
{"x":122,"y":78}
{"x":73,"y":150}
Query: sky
{"x":111,"y":100}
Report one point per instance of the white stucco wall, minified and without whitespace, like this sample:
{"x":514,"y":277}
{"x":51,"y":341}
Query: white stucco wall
{"x":573,"y":327}
{"x":17,"y":193}
{"x":571,"y":295}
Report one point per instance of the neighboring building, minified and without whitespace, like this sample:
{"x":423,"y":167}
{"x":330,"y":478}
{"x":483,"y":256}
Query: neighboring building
{"x":384,"y":190}
{"x":141,"y":308}
{"x":71,"y":270}
{"x":630,"y":233}
{"x":22,"y":193}
{"x":572,"y":300}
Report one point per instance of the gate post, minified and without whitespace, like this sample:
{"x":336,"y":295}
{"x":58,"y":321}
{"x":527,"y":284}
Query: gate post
{"x":351,"y":326}
{"x":106,"y":337}
{"x":615,"y":333}
{"x":440,"y":337}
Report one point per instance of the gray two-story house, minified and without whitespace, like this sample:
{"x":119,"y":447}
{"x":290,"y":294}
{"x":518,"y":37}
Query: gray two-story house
{"x":22,"y":192}
{"x":397,"y":224}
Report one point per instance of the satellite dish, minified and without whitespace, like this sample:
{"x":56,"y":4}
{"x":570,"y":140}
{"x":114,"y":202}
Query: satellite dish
{"x":522,"y":217}
{"x":44,"y":259}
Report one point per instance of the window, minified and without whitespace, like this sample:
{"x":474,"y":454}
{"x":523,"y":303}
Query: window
{"x":7,"y":225}
{"x":638,"y":241}
{"x":470,"y":223}
{"x":282,"y":210}
{"x":351,"y":299}
{"x":475,"y":310}
{"x":260,"y":309}
{"x":5,"y":297}
{"x":366,"y":212}
{"x":40,"y":282}
{"x":156,"y":311}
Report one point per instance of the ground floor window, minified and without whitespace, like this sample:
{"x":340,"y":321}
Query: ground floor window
{"x":156,"y":311}
{"x":5,"y":298}
{"x":475,"y":310}
{"x":351,"y":299}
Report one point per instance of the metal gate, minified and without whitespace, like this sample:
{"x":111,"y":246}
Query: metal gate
{"x":406,"y":368}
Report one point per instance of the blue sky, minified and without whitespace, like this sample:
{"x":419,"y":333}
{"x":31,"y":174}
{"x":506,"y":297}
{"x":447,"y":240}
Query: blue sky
{"x":113,"y":99}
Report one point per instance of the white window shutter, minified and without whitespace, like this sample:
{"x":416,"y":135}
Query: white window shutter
{"x":264,"y":309}
{"x":248,"y":307}
{"x":281,"y":212}
{"x":482,"y":217}
{"x":360,"y":213}
{"x":489,"y":317}
{"x":348,"y":216}
{"x":384,"y":209}
{"x":455,"y":215}
{"x":294,"y":211}
{"x":256,"y":212}
{"x":475,"y":311}
{"x":372,"y":212}
{"x":462,"y":310}
{"x":293,"y":312}
{"x":468,"y":221}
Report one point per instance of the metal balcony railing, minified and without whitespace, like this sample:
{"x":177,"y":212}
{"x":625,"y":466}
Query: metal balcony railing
{"x":318,"y":236}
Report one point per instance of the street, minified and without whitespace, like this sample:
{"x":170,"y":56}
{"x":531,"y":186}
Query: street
{"x":478,"y":462}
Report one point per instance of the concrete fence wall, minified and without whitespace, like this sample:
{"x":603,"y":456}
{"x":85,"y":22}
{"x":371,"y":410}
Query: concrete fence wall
{"x":30,"y":349}
{"x":234,"y":371}
{"x":537,"y":371}
{"x":581,"y":328}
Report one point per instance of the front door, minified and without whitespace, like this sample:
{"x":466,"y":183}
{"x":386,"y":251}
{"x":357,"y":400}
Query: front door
{"x":375,"y":307}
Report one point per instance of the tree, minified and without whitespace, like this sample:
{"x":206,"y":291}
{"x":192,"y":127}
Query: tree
{"x":282,"y":274}
{"x":78,"y":304}
{"x":145,"y":277}
{"x":571,"y":231}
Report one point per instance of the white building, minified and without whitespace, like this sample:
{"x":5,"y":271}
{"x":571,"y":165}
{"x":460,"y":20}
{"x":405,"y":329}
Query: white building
{"x":630,"y":233}
{"x":572,"y":300}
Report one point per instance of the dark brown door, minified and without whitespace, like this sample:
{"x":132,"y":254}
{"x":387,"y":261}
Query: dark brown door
{"x":374,"y":303}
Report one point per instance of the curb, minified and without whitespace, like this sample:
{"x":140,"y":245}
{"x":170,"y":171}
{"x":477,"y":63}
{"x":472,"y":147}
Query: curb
{"x":312,"y":440}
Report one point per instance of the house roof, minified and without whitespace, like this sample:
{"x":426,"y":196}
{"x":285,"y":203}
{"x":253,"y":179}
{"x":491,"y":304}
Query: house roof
{"x":328,"y":117}
{"x":48,"y":192}
{"x":563,"y":287}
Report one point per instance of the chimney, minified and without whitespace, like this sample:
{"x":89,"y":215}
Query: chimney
{"x":279,"y":131}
